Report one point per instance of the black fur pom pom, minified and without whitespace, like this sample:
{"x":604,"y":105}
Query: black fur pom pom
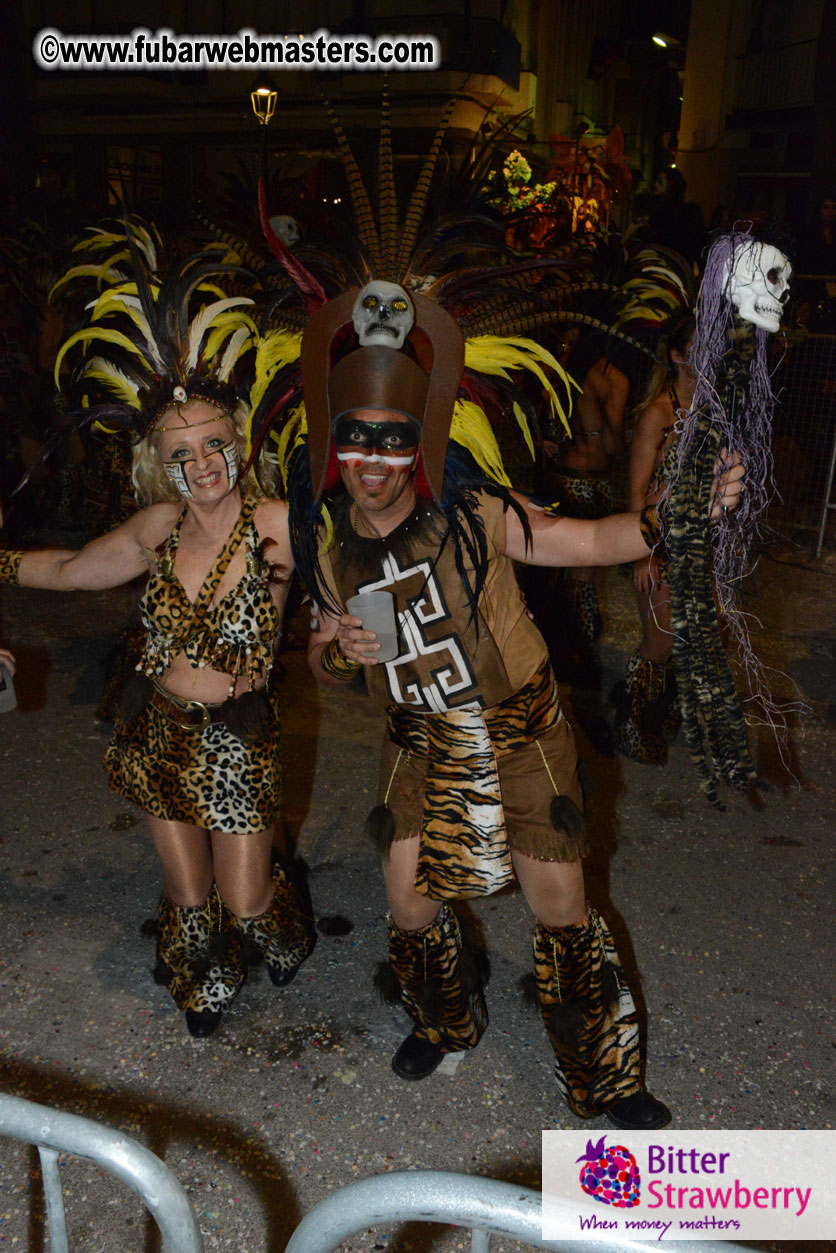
{"x":386,"y":984}
{"x":380,"y":828}
{"x":610,"y":983}
{"x":135,"y":695}
{"x":565,"y":815}
{"x":528,"y":987}
{"x":566,"y":1025}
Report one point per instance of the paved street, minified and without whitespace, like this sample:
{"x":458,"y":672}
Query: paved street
{"x":725,"y":921}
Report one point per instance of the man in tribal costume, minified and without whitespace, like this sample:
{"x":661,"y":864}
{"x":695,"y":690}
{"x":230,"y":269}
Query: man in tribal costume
{"x":478,"y":781}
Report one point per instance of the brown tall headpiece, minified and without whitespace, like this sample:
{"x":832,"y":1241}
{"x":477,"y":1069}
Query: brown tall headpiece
{"x":382,"y":378}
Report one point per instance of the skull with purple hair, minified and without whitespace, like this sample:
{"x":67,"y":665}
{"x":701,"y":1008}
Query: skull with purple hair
{"x":757,"y":280}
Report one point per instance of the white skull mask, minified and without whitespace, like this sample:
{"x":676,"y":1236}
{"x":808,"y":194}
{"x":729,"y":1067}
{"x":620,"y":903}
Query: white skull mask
{"x":383,"y":314}
{"x":287,"y":229}
{"x":757,"y":283}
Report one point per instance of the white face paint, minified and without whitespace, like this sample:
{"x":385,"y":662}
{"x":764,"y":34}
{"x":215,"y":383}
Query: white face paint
{"x":359,"y":459}
{"x":287,"y":229}
{"x":176,"y":470}
{"x":383,"y":314}
{"x":757,"y":283}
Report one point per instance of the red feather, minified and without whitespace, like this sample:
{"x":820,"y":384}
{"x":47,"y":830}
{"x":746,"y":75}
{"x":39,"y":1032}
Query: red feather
{"x":310,"y":287}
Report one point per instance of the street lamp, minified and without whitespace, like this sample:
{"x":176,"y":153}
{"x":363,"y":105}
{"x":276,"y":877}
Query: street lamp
{"x":263,"y":98}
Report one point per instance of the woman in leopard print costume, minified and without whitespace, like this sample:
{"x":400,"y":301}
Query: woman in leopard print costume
{"x":196,"y":742}
{"x":201,"y":756}
{"x":647,"y":713}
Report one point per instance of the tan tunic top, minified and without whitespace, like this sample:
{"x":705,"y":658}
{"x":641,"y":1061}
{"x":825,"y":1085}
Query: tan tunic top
{"x":446,"y":659}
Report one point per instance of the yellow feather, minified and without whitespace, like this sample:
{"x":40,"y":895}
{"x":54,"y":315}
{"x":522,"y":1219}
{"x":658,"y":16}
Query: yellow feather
{"x":524,"y":427}
{"x":223,"y":327}
{"x":493,"y":354}
{"x":79,"y":271}
{"x":89,"y":335}
{"x":293,"y":433}
{"x":471,"y":429}
{"x":329,"y":527}
{"x":100,"y":370}
{"x":275,"y":350}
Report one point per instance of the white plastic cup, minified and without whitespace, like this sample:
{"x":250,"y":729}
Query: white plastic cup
{"x":377,"y":611}
{"x":8,"y":700}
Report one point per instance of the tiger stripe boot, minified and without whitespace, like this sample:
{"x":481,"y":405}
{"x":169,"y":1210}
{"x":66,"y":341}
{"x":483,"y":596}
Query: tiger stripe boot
{"x":642,"y":710}
{"x":591,"y":1022}
{"x":199,"y":960}
{"x":437,"y":975}
{"x":283,"y":935}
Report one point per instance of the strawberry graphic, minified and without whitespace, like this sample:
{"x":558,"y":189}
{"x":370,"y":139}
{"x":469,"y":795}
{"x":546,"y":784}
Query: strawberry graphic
{"x":610,"y":1174}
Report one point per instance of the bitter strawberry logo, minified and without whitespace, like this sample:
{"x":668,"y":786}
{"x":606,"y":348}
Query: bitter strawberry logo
{"x":610,"y":1174}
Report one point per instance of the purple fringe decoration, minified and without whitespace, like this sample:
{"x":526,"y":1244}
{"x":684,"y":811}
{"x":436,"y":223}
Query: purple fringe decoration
{"x":734,"y":391}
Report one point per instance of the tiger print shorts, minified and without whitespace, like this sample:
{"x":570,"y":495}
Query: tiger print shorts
{"x":536,"y":759}
{"x":208,"y":778}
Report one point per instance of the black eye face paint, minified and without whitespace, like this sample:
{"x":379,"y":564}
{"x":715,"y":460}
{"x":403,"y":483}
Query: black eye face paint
{"x":394,"y":442}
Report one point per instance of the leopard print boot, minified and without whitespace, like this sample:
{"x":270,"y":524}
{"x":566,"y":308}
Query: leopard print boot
{"x":642,"y":709}
{"x":283,"y":934}
{"x":591,"y":1020}
{"x":437,"y":975}
{"x":586,"y":611}
{"x":199,"y":960}
{"x":672,"y":717}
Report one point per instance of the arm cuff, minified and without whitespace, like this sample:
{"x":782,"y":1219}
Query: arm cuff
{"x":10,"y":559}
{"x":651,"y":526}
{"x":335,"y":663}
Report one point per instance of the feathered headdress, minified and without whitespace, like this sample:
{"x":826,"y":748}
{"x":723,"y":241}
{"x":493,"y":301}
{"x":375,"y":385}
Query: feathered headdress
{"x":152,"y":334}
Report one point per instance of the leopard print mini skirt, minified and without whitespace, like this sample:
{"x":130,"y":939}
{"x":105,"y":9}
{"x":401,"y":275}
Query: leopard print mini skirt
{"x":207,"y":777}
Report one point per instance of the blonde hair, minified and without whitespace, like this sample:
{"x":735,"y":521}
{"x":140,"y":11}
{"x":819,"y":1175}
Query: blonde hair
{"x":148,"y":475}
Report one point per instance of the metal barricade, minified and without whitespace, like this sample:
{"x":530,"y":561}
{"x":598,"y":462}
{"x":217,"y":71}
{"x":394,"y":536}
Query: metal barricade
{"x":805,"y":438}
{"x":488,"y":1206}
{"x":55,"y":1132}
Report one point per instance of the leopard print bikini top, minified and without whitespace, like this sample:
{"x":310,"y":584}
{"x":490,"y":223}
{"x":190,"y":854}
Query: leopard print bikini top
{"x":236,"y":636}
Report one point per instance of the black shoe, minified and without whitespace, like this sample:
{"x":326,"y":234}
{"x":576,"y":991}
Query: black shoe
{"x":281,"y":978}
{"x":202,"y":1022}
{"x":639,"y":1112}
{"x":416,"y":1058}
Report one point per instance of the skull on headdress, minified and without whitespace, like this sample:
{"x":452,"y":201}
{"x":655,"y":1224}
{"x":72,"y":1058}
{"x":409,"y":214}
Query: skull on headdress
{"x":383,"y":315}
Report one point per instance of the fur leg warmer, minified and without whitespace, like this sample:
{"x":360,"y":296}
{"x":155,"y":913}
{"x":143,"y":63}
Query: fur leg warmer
{"x":199,"y":957}
{"x":284,"y":933}
{"x":589,"y":1014}
{"x":438,"y":975}
{"x":647,"y":710}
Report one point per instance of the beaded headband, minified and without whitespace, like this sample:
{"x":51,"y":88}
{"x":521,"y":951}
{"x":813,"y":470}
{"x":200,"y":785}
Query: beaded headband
{"x":181,"y":397}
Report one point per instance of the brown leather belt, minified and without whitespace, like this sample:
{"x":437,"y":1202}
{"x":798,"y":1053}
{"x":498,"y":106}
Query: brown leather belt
{"x":191,"y":715}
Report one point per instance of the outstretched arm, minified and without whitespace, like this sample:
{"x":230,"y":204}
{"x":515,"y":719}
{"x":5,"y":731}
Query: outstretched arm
{"x":559,"y":541}
{"x":106,"y":562}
